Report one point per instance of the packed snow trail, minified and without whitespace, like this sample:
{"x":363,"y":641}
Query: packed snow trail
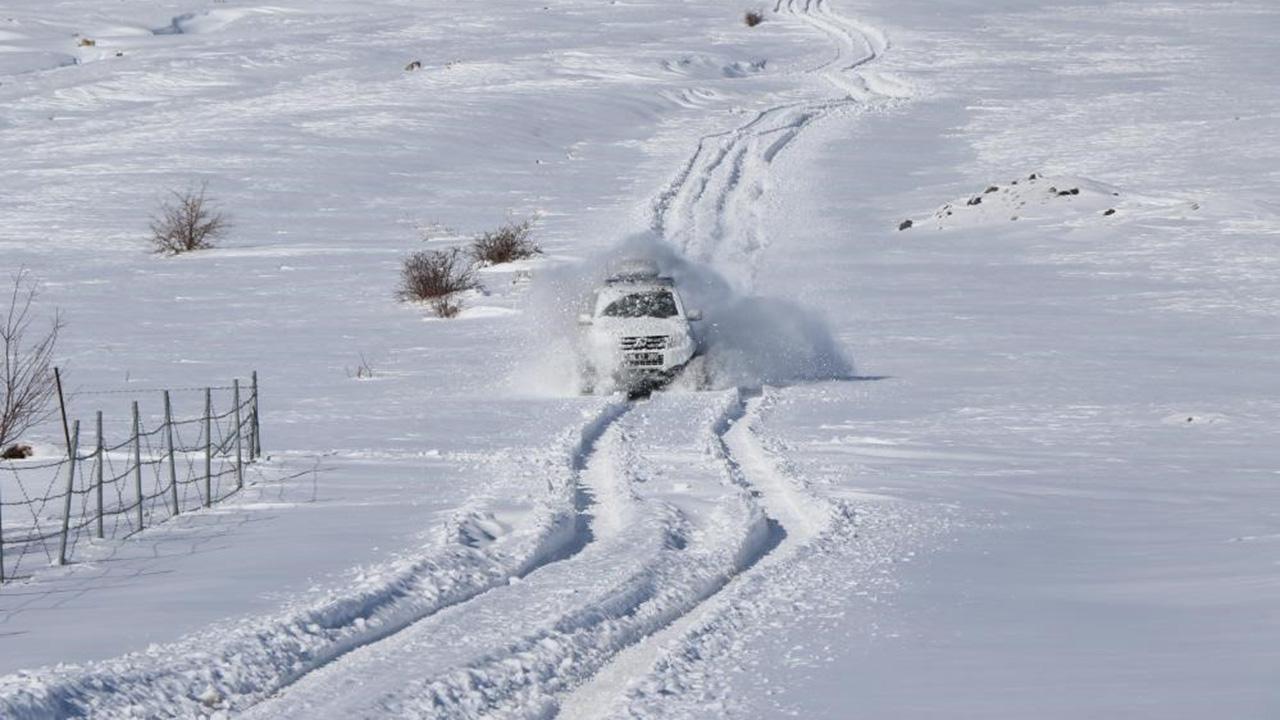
{"x":711,"y":209}
{"x":710,"y":212}
{"x":795,"y":517}
{"x":672,"y":521}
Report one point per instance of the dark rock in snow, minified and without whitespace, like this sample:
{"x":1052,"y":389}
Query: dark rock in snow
{"x":976,"y":200}
{"x":17,"y":452}
{"x":1110,"y":211}
{"x":905,"y":224}
{"x":991,"y":189}
{"x":415,"y":65}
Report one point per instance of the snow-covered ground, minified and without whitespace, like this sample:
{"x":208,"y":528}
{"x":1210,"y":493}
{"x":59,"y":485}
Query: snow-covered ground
{"x":1016,"y":460}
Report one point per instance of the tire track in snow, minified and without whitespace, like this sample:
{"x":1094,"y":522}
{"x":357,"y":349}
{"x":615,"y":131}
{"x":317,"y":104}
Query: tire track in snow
{"x":793,"y":517}
{"x":673,"y":523}
{"x":710,"y":212}
{"x":240,"y":666}
{"x":711,"y":208}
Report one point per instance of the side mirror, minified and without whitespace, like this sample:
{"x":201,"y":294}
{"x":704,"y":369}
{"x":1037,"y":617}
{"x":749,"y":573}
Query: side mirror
{"x":584,"y":319}
{"x":694,"y":315}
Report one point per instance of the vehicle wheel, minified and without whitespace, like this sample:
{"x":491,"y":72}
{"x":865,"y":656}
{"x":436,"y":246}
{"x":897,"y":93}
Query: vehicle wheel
{"x":694,"y":376}
{"x":587,"y":381}
{"x":701,"y":373}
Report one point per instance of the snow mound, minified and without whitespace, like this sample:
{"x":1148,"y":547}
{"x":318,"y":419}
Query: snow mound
{"x":1034,"y":197}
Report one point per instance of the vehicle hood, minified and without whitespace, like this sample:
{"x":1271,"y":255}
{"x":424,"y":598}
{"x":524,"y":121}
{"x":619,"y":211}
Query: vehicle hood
{"x":614,"y":328}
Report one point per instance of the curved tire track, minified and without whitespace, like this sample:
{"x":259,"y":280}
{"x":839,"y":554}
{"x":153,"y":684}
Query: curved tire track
{"x":672,"y":523}
{"x":710,"y":210}
{"x":242,"y":666}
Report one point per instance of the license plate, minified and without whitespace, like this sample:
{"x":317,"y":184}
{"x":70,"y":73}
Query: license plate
{"x":645,"y":358}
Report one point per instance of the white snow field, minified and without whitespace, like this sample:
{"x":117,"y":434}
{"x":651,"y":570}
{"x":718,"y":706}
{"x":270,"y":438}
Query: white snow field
{"x":1017,"y":460}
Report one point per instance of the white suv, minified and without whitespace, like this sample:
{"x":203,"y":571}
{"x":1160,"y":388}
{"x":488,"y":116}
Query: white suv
{"x":637,"y":337}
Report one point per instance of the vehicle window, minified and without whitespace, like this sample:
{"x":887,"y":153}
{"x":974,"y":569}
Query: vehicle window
{"x":654,"y":303}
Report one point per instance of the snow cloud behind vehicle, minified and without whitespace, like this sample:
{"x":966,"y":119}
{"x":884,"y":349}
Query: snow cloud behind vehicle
{"x":747,"y":341}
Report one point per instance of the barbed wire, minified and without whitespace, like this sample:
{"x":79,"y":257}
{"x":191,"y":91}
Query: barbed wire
{"x":139,"y":391}
{"x":166,"y":457}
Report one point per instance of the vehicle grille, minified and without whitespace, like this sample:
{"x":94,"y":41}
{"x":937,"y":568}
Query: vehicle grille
{"x":644,"y":342}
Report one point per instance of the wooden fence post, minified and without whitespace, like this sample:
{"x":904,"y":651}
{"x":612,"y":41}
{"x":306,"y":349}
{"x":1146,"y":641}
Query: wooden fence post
{"x":101,"y":453}
{"x":1,"y":537}
{"x":208,"y":447}
{"x":137,"y":461}
{"x":173,"y":468}
{"x":71,"y":479}
{"x":235,"y":398}
{"x":255,"y":440}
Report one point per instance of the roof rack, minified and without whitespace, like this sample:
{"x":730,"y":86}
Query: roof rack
{"x":639,"y":279}
{"x":637,"y":270}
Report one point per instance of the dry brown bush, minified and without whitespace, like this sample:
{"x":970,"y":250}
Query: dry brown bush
{"x":753,"y":18}
{"x":513,"y":241}
{"x":436,"y":277}
{"x":186,"y":222}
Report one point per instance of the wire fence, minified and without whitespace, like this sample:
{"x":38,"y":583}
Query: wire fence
{"x":100,"y":489}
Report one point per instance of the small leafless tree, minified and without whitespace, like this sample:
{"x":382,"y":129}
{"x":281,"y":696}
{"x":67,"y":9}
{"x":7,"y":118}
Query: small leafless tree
{"x":510,"y":242}
{"x":186,"y":222}
{"x":436,"y":277}
{"x":26,"y":371}
{"x":363,"y":371}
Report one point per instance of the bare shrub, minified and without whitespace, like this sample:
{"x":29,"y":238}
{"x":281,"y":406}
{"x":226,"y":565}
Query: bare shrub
{"x":446,"y":307}
{"x":186,"y":222}
{"x":363,"y":371}
{"x":753,"y":18}
{"x":436,"y":277}
{"x":26,"y":370}
{"x":513,"y":241}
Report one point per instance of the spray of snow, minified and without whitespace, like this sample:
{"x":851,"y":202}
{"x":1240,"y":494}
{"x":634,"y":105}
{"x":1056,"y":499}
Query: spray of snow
{"x":748,"y":341}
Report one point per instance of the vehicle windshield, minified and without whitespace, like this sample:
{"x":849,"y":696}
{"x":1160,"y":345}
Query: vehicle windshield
{"x":650,"y":303}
